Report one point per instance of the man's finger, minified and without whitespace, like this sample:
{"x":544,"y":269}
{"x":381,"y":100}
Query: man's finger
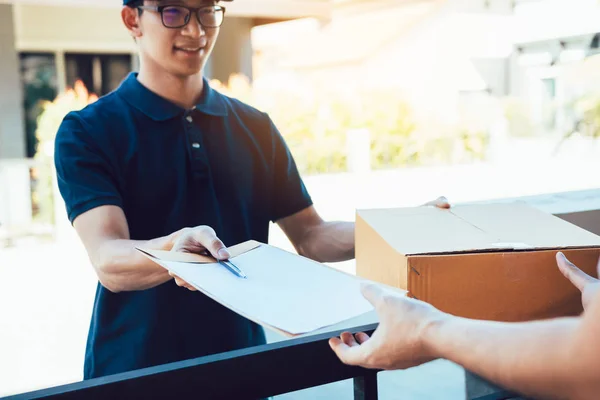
{"x":373,"y":293}
{"x":179,"y":282}
{"x":213,"y":244}
{"x":571,"y":272}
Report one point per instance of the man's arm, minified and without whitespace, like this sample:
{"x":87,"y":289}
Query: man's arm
{"x":88,"y":183}
{"x":120,"y":267}
{"x":319,"y":240}
{"x":326,"y":241}
{"x":548,"y":359}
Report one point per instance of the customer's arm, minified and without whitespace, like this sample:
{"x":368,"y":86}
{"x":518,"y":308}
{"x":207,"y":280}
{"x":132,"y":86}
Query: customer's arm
{"x":119,"y":266}
{"x":554,"y":359}
{"x":549,"y":359}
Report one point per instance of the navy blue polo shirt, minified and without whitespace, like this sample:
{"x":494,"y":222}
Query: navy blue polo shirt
{"x":221,"y":164}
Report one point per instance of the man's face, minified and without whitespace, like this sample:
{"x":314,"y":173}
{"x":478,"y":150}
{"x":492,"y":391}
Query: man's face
{"x":180,"y":51}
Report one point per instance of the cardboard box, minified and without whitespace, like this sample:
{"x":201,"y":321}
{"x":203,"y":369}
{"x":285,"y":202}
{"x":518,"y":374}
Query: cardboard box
{"x":490,"y":261}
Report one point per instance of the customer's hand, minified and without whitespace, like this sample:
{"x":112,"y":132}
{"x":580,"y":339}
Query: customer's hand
{"x":589,"y":286}
{"x":440,"y":202}
{"x":199,"y":240}
{"x":399,"y":341}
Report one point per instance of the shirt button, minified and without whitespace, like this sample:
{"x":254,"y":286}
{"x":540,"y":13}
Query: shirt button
{"x":189,"y":118}
{"x":196,"y":145}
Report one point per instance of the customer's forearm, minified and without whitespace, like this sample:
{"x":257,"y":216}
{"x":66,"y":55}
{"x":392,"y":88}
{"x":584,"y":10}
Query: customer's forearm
{"x":120,"y":267}
{"x":530,"y":358}
{"x":330,"y":242}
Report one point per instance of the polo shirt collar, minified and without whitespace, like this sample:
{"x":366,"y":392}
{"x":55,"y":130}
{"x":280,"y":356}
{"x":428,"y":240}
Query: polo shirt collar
{"x":158,"y":108}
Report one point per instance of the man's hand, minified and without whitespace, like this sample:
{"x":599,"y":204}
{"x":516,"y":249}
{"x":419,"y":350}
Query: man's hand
{"x":398,"y":342}
{"x":199,"y":240}
{"x":588,"y":285}
{"x":440,"y":202}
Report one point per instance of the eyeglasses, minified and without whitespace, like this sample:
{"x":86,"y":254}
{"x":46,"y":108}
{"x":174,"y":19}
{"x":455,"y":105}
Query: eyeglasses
{"x":179,"y":16}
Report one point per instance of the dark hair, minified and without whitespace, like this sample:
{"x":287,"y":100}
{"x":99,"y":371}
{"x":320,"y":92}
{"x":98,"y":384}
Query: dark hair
{"x":136,"y":4}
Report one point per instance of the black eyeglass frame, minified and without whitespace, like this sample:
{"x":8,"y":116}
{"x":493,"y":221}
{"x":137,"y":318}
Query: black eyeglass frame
{"x":191,"y":10}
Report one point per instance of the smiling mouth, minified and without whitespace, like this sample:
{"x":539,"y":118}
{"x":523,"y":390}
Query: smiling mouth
{"x":189,"y":49}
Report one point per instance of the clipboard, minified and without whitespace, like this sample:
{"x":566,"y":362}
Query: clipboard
{"x":271,"y":269}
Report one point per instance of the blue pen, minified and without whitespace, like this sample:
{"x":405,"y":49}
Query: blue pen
{"x":231,"y":266}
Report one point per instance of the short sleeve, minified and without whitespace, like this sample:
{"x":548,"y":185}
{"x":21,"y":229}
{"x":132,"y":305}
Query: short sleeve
{"x":289,"y":192}
{"x":85,"y":175}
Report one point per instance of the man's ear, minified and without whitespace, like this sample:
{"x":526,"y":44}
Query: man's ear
{"x":131,"y":19}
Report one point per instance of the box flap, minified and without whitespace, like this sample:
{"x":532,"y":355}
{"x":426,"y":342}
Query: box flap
{"x":475,"y":228}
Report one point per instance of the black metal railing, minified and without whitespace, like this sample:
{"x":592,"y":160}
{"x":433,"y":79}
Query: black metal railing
{"x":251,"y":373}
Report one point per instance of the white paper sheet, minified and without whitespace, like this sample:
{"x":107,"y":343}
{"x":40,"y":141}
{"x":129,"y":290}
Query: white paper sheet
{"x":283,"y":290}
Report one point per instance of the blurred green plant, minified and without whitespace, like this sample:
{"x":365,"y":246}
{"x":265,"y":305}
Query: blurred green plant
{"x":585,"y":112}
{"x":47,"y":126}
{"x":315,"y":121}
{"x":518,"y":116}
{"x":39,"y":80}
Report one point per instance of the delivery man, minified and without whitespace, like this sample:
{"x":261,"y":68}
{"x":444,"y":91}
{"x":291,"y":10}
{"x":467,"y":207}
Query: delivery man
{"x":165,"y":162}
